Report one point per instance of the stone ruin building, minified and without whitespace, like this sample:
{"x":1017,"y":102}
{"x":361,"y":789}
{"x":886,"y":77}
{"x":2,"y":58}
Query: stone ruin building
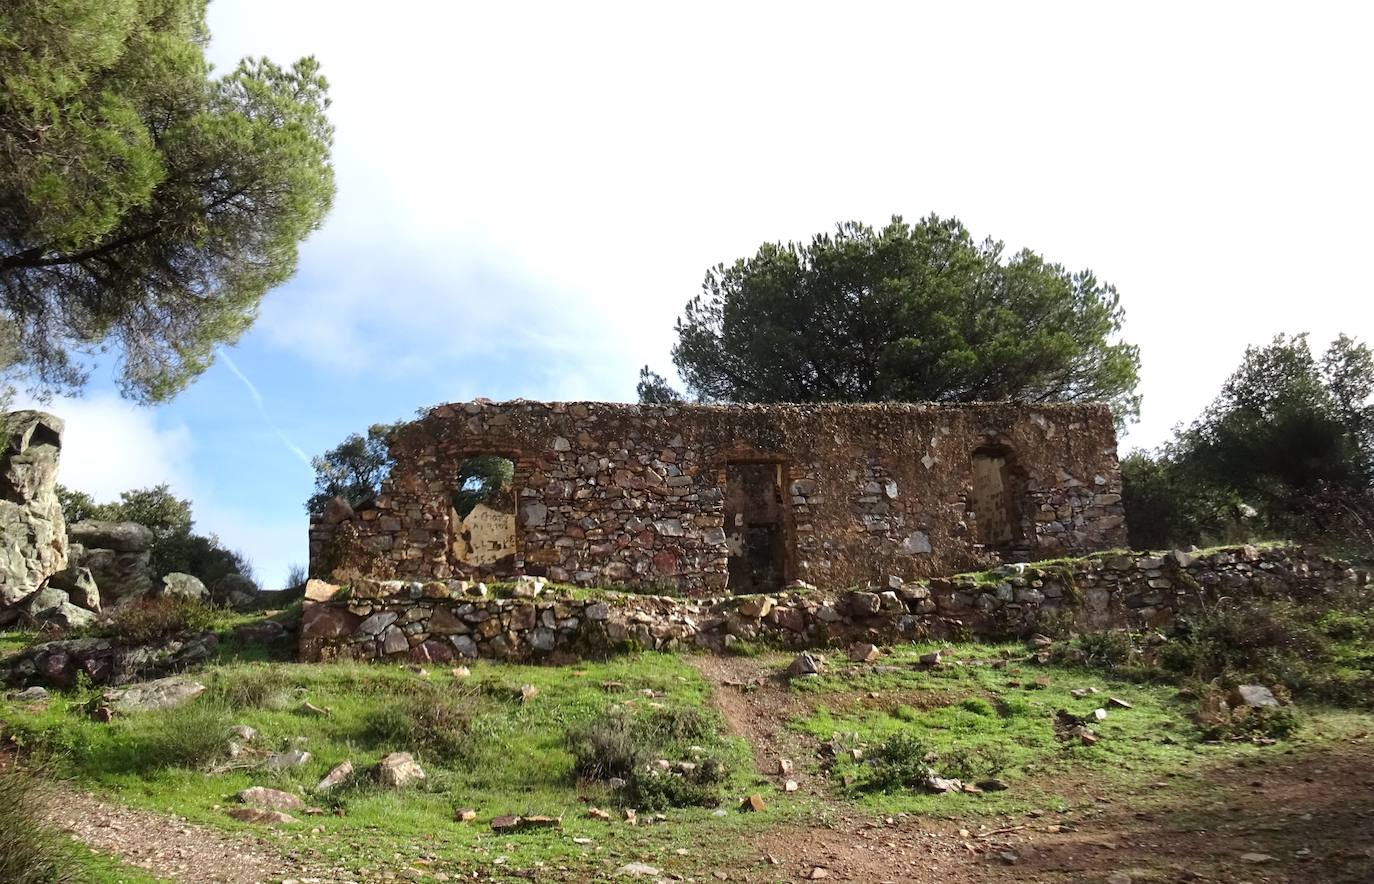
{"x":699,"y":500}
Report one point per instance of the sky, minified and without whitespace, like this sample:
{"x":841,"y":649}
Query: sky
{"x":529,"y":193}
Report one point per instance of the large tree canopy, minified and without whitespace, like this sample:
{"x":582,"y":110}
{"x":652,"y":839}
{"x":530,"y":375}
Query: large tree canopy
{"x":353,"y":469}
{"x":910,"y":313}
{"x":144,"y":204}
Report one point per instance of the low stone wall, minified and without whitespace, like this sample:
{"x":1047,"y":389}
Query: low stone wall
{"x":440,"y":621}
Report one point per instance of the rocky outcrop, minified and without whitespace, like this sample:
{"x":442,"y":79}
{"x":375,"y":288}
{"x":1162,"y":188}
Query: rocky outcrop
{"x":103,"y":661}
{"x":33,"y":537}
{"x":117,"y":554}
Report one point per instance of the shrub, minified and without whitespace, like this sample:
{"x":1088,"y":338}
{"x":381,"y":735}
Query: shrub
{"x":259,"y":688}
{"x":620,"y":744}
{"x":902,"y":761}
{"x":427,"y":720}
{"x":190,"y":736}
{"x":29,"y":852}
{"x":147,"y":621}
{"x":1107,"y":649}
{"x":651,"y":789}
{"x":609,"y":746}
{"x":1264,"y":641}
{"x":973,"y":763}
{"x":1254,"y":722}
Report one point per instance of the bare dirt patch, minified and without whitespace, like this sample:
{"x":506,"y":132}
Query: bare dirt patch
{"x":1307,"y":816}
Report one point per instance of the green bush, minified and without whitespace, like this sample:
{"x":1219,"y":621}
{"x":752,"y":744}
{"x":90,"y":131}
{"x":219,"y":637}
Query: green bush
{"x":428,"y":720}
{"x":267,"y":687}
{"x":902,"y":761}
{"x":658,"y":790}
{"x":29,"y":852}
{"x":1255,"y":722}
{"x":621,"y":744}
{"x":190,"y":736}
{"x":147,"y":621}
{"x":973,"y":763}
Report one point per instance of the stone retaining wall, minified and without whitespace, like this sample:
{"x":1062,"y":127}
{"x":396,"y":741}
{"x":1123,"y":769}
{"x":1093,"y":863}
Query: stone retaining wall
{"x":440,"y":621}
{"x":648,"y":497}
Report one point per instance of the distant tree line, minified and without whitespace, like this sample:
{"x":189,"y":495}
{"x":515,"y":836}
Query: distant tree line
{"x":1286,"y":450}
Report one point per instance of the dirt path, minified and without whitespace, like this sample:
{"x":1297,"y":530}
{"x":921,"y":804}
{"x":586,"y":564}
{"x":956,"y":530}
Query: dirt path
{"x":1276,"y":819}
{"x":756,"y":706}
{"x":1286,"y":816}
{"x":170,"y":847}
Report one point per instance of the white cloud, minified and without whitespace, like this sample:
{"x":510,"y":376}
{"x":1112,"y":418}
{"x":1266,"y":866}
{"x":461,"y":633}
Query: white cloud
{"x":572,"y":170}
{"x":111,"y":446}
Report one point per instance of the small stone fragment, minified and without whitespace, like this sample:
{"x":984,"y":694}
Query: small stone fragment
{"x":863,"y":652}
{"x":271,"y":799}
{"x":639,"y":870}
{"x":930,"y":659}
{"x":336,"y":775}
{"x":1119,"y":703}
{"x":597,"y":813}
{"x":805,"y":664}
{"x":261,"y":817}
{"x":528,"y":692}
{"x":753,"y":804}
{"x":280,"y":760}
{"x":790,"y":786}
{"x":398,"y":770}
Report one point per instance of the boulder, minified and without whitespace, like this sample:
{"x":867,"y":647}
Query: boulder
{"x":398,"y":770}
{"x":69,"y":616}
{"x":161,"y":693}
{"x":234,"y":591}
{"x":1253,"y":695}
{"x":756,"y":607}
{"x":863,"y":652}
{"x":116,"y":536}
{"x":32,"y":531}
{"x":187,"y":585}
{"x":283,"y":760}
{"x":79,"y":585}
{"x":337,"y":510}
{"x":117,"y":556}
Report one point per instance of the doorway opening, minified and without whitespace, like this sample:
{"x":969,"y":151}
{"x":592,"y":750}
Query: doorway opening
{"x":483,"y":515}
{"x":996,"y":494}
{"x":755,"y":527}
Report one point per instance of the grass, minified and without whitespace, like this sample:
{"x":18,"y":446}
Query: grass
{"x":490,"y":743}
{"x":993,"y":713}
{"x":481,"y":746}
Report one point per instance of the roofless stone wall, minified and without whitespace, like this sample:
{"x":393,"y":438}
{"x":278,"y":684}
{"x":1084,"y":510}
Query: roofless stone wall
{"x":704,"y":499}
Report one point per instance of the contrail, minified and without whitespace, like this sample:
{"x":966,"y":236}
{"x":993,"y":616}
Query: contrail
{"x":262,"y":410}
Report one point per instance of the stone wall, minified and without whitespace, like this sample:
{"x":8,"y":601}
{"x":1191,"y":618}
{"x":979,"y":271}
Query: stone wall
{"x":439,"y":621}
{"x":33,"y":536}
{"x":635,"y":496}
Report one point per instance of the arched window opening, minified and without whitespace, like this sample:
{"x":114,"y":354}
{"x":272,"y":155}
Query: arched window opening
{"x":484,"y":514}
{"x":996,"y":497}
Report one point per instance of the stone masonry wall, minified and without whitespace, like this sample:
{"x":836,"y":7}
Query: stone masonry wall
{"x":443,"y":621}
{"x":633,"y":496}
